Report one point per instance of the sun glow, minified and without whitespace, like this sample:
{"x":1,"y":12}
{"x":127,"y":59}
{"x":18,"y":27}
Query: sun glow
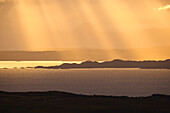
{"x":164,"y":7}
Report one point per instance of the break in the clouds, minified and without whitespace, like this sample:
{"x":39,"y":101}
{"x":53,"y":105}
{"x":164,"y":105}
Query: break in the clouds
{"x":166,"y":7}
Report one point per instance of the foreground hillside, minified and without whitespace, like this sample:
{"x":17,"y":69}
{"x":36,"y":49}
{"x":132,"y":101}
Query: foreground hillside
{"x":60,"y":102}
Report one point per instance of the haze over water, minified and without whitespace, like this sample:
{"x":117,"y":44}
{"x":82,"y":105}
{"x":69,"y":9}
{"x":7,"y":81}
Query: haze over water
{"x":118,"y":82}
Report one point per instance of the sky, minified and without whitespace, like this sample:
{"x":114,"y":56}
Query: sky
{"x":92,"y":24}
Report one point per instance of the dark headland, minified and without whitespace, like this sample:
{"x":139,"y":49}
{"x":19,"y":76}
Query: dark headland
{"x":117,"y":63}
{"x":61,"y":102}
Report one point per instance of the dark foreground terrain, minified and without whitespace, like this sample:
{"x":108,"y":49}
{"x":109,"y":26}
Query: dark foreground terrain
{"x":60,"y":102}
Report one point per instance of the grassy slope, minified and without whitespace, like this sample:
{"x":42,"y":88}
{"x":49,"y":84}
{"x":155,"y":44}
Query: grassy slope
{"x":60,"y":102}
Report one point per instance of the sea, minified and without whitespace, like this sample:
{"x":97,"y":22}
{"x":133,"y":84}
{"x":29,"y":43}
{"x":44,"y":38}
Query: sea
{"x":111,"y":82}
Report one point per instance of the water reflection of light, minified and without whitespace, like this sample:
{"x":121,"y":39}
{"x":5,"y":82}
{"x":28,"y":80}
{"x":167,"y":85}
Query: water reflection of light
{"x":19,"y":64}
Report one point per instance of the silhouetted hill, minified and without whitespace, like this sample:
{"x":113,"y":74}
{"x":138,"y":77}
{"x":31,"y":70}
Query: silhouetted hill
{"x":61,"y":102}
{"x":115,"y":64}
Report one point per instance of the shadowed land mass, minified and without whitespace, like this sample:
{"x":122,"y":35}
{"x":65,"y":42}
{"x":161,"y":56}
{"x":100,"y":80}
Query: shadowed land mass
{"x":61,"y":102}
{"x":115,"y":64}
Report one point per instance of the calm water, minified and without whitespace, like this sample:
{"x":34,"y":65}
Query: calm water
{"x":126,"y":82}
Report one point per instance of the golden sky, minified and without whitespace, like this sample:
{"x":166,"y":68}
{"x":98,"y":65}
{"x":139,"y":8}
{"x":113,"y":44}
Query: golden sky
{"x":51,"y":24}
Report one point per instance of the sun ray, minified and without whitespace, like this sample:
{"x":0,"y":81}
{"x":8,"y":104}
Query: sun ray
{"x":125,"y":21}
{"x":97,"y":29}
{"x":33,"y":24}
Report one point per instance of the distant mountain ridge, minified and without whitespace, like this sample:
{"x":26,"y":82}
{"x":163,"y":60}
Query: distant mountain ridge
{"x":117,"y":63}
{"x":155,"y":53}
